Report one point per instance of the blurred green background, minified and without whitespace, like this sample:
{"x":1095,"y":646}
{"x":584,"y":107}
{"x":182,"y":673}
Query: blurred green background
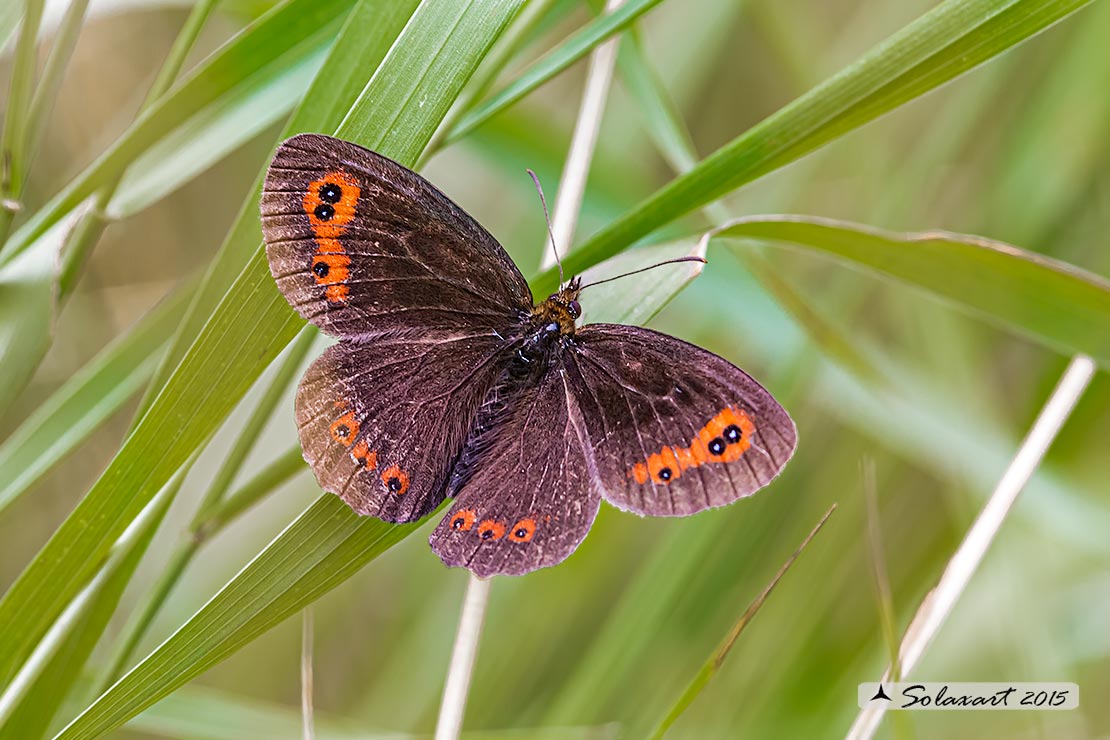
{"x":1016,"y":150}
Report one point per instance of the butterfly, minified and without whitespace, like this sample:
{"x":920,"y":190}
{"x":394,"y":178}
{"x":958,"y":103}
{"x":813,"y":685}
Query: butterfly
{"x":449,"y":381}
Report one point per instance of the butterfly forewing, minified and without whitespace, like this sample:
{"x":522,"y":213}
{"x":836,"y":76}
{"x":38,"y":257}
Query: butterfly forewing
{"x":674,"y":429}
{"x":382,"y":423}
{"x":362,"y":246}
{"x":532,"y":497}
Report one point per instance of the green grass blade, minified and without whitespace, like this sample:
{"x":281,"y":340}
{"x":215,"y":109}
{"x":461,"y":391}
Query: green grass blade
{"x":89,"y":398}
{"x":1051,"y":301}
{"x":272,"y":47}
{"x":253,"y":490}
{"x":711,"y":666}
{"x":558,"y":59}
{"x":953,"y":38}
{"x":15,"y":136}
{"x":257,"y":418}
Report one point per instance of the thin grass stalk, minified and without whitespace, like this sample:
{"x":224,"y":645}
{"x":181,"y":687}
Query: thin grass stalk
{"x":13,"y":139}
{"x":46,"y":91}
{"x":572,"y":183}
{"x":938,"y":604}
{"x":455,"y":691}
{"x":878,"y":566}
{"x":256,"y":422}
{"x":307,"y":727}
{"x":717,"y":659}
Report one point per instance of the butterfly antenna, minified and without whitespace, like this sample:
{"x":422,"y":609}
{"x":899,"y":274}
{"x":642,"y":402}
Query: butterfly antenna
{"x":550,"y":231}
{"x":645,"y":269}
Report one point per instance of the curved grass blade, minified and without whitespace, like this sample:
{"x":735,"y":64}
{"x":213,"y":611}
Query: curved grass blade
{"x":321,"y":549}
{"x":674,"y":143}
{"x":1051,"y":301}
{"x":953,"y":38}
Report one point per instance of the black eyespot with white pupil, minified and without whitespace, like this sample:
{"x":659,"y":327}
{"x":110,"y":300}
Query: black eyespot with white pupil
{"x":733,"y":434}
{"x":486,"y":534}
{"x":394,"y":484}
{"x":330,"y":193}
{"x":342,"y":430}
{"x":321,"y":269}
{"x":665,"y":473}
{"x":521,"y":533}
{"x":717,"y":446}
{"x":324,"y":212}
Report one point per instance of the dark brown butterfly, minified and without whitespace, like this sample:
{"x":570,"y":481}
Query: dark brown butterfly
{"x":448,"y":382}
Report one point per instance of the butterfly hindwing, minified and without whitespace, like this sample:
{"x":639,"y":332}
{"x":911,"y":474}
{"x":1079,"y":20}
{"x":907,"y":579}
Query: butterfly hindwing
{"x":674,"y":428}
{"x":362,"y":246}
{"x":532,"y":496}
{"x":382,"y":422}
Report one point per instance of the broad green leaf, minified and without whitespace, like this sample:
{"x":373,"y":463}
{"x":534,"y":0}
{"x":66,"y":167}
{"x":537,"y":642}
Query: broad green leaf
{"x":1057,"y":303}
{"x":555,"y":61}
{"x":270,"y":49}
{"x":86,"y":400}
{"x":953,"y":38}
{"x":248,"y":329}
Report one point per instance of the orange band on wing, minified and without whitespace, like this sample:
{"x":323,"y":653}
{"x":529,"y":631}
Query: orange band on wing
{"x":330,"y":204}
{"x":724,"y":438}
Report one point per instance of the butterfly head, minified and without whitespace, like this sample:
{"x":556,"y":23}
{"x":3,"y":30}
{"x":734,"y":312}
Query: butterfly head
{"x":562,"y":308}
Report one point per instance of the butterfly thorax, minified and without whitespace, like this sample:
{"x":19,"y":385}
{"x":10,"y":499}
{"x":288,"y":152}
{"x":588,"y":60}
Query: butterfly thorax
{"x":561,"y":309}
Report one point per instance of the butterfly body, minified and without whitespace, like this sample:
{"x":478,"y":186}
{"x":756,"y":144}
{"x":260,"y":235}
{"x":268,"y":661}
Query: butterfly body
{"x":450,"y":382}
